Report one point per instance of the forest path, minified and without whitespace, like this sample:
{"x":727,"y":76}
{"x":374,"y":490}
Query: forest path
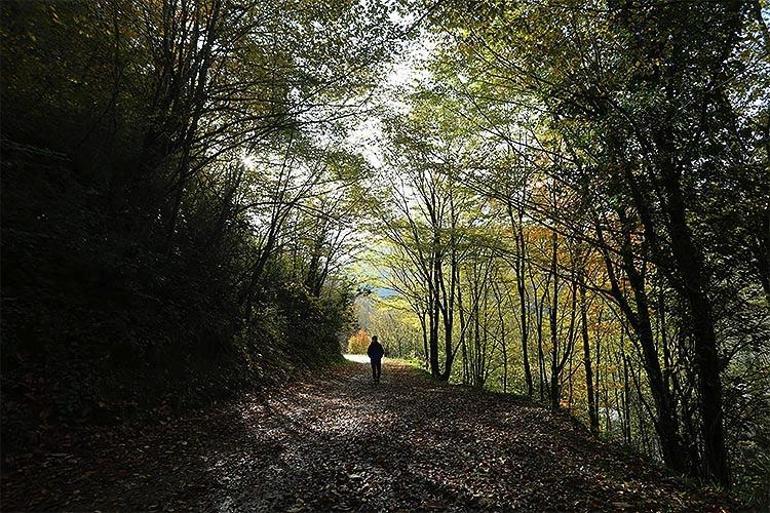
{"x":339,"y":443}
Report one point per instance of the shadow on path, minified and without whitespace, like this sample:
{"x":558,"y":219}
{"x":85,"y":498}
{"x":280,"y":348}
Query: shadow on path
{"x":340,"y":443}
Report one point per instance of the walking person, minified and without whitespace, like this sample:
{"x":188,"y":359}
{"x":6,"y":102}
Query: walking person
{"x":376,"y":352}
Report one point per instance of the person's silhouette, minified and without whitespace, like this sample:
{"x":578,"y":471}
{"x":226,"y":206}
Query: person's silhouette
{"x":375,"y":352}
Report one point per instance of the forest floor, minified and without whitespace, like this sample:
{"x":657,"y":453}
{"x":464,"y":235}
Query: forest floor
{"x":337,"y":442}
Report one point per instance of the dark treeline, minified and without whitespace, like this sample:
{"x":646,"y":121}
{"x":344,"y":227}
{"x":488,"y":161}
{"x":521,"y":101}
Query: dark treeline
{"x":175,"y":200}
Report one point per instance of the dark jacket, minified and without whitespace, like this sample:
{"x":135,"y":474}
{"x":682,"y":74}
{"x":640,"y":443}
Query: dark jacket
{"x":375,"y":351}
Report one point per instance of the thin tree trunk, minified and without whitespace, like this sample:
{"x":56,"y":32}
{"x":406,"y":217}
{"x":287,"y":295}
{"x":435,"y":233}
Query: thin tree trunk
{"x":594,"y":421}
{"x":555,"y":390}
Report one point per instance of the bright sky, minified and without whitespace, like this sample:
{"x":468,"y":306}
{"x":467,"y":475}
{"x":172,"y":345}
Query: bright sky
{"x":407,"y":71}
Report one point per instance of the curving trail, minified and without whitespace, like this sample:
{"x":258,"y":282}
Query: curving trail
{"x":338,"y":443}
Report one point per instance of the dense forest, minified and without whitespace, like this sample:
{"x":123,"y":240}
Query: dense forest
{"x":565,"y":201}
{"x":581,"y":216}
{"x":175,"y":197}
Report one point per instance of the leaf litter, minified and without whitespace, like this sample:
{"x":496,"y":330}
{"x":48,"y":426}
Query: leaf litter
{"x":338,"y":443}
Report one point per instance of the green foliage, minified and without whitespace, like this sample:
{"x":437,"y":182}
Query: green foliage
{"x":180,"y":208}
{"x":614,"y":157}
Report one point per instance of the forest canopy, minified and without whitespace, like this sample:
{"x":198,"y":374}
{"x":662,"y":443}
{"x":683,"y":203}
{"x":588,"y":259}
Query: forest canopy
{"x":568,"y":201}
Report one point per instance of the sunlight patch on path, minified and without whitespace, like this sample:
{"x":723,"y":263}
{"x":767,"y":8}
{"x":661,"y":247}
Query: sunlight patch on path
{"x":358,"y":358}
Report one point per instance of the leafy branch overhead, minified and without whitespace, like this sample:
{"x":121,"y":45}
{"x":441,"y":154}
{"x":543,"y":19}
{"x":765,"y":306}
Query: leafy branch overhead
{"x":568,"y":202}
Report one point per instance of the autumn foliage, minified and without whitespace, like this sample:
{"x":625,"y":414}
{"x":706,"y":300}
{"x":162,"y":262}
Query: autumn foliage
{"x":359,"y":342}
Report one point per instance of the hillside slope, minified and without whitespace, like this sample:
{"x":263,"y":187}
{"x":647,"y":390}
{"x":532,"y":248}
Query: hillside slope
{"x":336,"y":442}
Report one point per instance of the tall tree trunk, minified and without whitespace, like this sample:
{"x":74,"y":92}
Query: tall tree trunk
{"x":555,"y":389}
{"x":689,"y":261}
{"x":521,"y":288}
{"x":594,"y":420}
{"x":626,"y":396}
{"x":666,"y":423}
{"x":435,"y":369}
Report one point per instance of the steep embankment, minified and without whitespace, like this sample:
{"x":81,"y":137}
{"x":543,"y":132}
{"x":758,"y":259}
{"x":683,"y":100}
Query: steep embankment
{"x":339,"y":443}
